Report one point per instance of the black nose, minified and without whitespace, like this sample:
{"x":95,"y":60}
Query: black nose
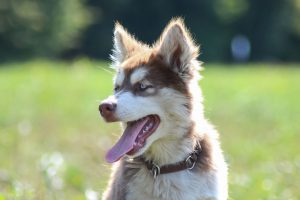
{"x":107,"y":109}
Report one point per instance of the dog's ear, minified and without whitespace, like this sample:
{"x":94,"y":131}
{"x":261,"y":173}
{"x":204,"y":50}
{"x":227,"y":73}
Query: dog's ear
{"x":177,"y":48}
{"x":124,"y":44}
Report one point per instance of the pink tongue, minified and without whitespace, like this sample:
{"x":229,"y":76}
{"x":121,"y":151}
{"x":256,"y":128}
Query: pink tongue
{"x":126,"y":142}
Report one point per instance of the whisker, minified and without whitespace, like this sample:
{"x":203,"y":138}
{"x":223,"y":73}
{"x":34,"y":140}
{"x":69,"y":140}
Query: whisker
{"x":133,"y":166}
{"x":105,"y":69}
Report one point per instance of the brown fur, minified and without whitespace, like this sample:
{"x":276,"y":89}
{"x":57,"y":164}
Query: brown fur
{"x":127,"y":169}
{"x":160,"y":73}
{"x":171,"y":65}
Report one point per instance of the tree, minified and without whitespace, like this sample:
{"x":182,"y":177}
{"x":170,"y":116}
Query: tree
{"x":40,"y":28}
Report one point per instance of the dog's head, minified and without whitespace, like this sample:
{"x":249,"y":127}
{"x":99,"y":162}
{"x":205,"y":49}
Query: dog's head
{"x":152,"y":89}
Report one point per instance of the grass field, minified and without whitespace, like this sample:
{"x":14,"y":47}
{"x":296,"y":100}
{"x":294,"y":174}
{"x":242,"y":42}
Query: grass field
{"x":52,"y":140}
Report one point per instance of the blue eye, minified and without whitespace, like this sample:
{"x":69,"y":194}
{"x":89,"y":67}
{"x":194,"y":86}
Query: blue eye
{"x":143,"y":87}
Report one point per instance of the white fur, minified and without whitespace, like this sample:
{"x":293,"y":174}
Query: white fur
{"x":121,"y":47}
{"x":195,"y":187}
{"x":182,"y":185}
{"x":172,"y":39}
{"x":130,"y":108}
{"x":168,"y":144}
{"x":212,"y":185}
{"x":138,"y":75}
{"x":175,"y":37}
{"x":124,"y":45}
{"x":119,"y":78}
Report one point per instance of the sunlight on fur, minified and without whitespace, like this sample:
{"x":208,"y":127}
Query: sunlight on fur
{"x":158,"y":100}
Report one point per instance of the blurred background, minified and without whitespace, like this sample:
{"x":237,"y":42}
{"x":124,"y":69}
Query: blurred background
{"x":54,"y":71}
{"x":228,"y":30}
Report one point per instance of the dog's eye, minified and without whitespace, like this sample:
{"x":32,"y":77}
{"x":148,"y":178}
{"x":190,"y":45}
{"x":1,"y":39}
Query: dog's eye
{"x":116,"y":88}
{"x":142,"y":87}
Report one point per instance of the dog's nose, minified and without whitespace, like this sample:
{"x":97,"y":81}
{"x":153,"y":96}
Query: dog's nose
{"x":107,"y":110}
{"x":107,"y":107}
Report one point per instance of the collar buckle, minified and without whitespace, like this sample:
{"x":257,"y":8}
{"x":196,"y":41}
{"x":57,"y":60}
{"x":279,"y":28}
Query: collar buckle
{"x":190,"y":162}
{"x":155,"y":170}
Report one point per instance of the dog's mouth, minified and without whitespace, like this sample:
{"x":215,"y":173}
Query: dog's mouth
{"x":134,"y":137}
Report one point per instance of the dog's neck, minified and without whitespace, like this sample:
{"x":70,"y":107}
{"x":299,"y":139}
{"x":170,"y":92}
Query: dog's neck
{"x":180,"y":141}
{"x":170,"y":150}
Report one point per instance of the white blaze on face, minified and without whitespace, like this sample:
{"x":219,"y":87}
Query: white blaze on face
{"x":166,"y":102}
{"x":119,"y":78}
{"x":175,"y":106}
{"x":138,"y":75}
{"x":131,"y":107}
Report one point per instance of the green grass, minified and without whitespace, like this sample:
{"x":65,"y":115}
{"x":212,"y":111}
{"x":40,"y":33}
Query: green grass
{"x":52,"y":141}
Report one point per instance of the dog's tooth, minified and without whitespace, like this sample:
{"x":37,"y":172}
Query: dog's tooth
{"x":147,"y":128}
{"x":140,"y":144}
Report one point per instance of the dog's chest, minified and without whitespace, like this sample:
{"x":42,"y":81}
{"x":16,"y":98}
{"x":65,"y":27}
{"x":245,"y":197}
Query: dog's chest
{"x":175,"y":186}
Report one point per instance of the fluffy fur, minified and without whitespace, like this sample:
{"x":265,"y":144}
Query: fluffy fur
{"x":171,"y":68}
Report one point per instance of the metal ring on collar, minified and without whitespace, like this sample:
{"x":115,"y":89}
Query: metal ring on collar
{"x":190,"y":163}
{"x":155,"y":170}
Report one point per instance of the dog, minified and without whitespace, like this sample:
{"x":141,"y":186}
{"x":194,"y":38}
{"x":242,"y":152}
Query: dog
{"x":168,"y":150}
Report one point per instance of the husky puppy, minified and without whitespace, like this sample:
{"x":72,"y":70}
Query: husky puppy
{"x":168,"y":150}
